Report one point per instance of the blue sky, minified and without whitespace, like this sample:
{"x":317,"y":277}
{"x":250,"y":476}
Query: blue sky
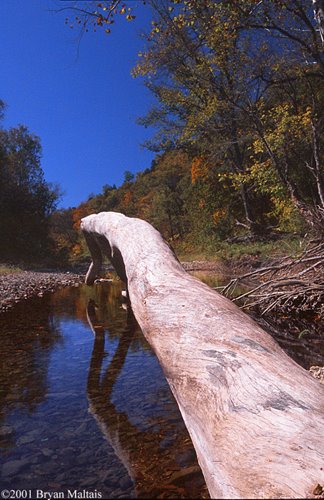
{"x":81,"y":103}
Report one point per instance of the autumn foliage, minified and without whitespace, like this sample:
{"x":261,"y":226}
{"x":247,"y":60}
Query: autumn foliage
{"x":238,"y":116}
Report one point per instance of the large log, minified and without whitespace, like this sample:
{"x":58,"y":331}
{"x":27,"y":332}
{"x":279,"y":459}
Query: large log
{"x":255,"y":417}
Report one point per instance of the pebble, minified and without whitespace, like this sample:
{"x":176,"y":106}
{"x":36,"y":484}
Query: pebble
{"x":47,"y":452}
{"x":6,"y":431}
{"x":13,"y":467}
{"x":125,"y":483}
{"x":24,"y":285}
{"x":27,"y":438}
{"x":194,"y":469}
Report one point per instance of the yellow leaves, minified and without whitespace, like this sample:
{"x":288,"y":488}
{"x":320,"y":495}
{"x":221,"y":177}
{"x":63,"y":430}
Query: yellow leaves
{"x":146,"y":67}
{"x":306,"y":118}
{"x":155,"y":29}
{"x":236,"y":179}
{"x":76,"y":249}
{"x":258,"y":146}
{"x":285,"y":212}
{"x":284,"y":127}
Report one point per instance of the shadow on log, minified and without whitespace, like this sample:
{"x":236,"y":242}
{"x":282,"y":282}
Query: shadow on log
{"x":255,"y":417}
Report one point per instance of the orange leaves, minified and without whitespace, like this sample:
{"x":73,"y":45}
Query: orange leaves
{"x":218,"y":215}
{"x":78,"y":213}
{"x":127,"y":198}
{"x":99,"y":15}
{"x":199,"y":169}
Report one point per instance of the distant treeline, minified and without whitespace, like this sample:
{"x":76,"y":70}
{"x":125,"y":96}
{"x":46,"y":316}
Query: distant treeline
{"x":26,"y":199}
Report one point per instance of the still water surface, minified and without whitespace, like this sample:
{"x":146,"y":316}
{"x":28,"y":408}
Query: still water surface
{"x":84,"y":404}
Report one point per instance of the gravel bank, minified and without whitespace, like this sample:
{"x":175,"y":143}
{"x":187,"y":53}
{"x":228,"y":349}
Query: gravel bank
{"x":26,"y":284}
{"x":15,"y":287}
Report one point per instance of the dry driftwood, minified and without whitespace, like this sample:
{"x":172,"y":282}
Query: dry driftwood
{"x":291,"y":285}
{"x":255,"y":417}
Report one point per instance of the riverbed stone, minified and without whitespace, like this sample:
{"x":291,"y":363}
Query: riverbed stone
{"x":6,"y":431}
{"x":21,"y":286}
{"x":13,"y":467}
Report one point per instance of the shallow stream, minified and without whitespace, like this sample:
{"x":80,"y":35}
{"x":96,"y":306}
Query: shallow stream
{"x":84,"y":411}
{"x":84,"y":405}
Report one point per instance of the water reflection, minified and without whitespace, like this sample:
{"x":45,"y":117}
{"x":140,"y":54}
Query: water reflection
{"x":87,"y":406}
{"x":139,"y":450}
{"x":24,"y":363}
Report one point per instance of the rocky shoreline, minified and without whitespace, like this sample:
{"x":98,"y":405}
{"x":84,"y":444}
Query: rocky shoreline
{"x":16,"y":287}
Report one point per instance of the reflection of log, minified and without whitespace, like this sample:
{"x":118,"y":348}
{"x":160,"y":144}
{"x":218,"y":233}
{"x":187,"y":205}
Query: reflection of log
{"x":254,"y":415}
{"x":137,"y":450}
{"x":99,"y":390}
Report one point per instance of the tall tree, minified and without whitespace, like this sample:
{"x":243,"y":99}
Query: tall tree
{"x":26,"y":199}
{"x":222,"y":73}
{"x":214,"y":66}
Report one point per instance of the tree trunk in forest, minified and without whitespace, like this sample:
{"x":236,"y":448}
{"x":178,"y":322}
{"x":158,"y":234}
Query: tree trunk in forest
{"x":310,"y":216}
{"x":318,"y":169}
{"x":238,"y":167}
{"x":254,"y":228}
{"x":255,"y":417}
{"x":318,"y":7}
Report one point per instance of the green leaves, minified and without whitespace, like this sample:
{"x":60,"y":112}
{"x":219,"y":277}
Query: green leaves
{"x":26,"y":199}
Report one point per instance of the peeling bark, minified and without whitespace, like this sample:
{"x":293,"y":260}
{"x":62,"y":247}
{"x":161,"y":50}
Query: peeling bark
{"x":255,"y":417}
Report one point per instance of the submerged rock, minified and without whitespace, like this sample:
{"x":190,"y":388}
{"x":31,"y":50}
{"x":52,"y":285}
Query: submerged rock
{"x":6,"y":431}
{"x":13,"y":467}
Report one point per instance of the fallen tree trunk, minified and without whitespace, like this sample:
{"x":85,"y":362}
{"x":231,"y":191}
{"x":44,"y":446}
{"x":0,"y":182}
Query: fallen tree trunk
{"x":255,"y":417}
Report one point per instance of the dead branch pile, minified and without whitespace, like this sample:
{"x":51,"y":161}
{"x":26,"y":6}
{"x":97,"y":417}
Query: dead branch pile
{"x":289,"y":285}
